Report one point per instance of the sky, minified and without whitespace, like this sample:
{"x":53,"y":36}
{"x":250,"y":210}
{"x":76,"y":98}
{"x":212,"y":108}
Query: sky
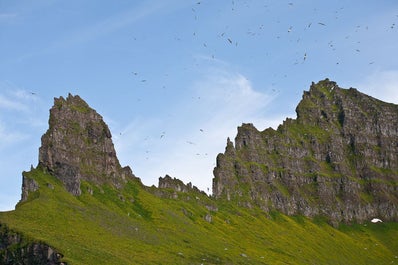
{"x":173,"y":79}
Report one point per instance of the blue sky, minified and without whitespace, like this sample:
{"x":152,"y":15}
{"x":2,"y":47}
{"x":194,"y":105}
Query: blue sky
{"x":191,"y":71}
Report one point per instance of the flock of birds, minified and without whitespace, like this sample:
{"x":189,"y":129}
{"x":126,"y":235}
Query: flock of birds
{"x":261,"y":30}
{"x":296,"y":35}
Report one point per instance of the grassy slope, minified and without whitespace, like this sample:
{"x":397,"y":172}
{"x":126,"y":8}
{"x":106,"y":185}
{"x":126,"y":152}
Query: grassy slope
{"x":132,"y":226}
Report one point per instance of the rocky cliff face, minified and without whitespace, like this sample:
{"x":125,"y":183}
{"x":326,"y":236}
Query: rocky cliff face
{"x":16,"y":249}
{"x":175,"y":184}
{"x":338,"y":159}
{"x":169,"y":187}
{"x":78,"y":146}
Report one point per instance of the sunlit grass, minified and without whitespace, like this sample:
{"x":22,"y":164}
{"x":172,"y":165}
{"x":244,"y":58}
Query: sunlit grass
{"x":133,"y":226}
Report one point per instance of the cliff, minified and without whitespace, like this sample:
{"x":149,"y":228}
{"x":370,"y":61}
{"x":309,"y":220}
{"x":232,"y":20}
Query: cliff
{"x":78,"y":147}
{"x":175,"y":184}
{"x":338,"y":159}
{"x":17,"y":249}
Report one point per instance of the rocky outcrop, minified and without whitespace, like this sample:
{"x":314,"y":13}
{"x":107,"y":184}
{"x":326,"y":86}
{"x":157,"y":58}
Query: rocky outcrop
{"x":28,"y":186}
{"x":78,"y":146}
{"x":173,"y":188}
{"x":175,"y":184}
{"x":16,"y":249}
{"x":338,"y":159}
{"x":169,"y":187}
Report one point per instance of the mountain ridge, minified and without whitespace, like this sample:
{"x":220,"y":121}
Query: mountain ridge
{"x":337,"y":159}
{"x":80,"y":206}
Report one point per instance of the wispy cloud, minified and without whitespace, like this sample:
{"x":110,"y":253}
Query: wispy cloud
{"x":14,"y":98}
{"x":101,"y":28}
{"x":382,"y":85}
{"x":8,"y":137}
{"x":11,"y":104}
{"x":7,"y":202}
{"x":21,"y":113}
{"x":22,"y":121}
{"x":109,"y":25}
{"x":7,"y":16}
{"x":222,"y":101}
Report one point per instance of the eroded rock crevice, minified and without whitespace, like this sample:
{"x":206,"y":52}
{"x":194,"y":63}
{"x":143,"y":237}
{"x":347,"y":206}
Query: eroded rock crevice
{"x":339,"y":159}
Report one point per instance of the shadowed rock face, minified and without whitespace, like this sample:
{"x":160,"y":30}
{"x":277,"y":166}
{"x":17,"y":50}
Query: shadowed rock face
{"x":16,"y":249}
{"x":78,"y":146}
{"x":339,"y":159}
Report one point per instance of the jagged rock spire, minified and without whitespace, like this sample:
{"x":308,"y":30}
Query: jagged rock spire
{"x":78,"y":146}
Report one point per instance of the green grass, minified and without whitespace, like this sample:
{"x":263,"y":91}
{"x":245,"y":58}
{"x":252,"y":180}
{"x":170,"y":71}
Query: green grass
{"x":134,"y":226}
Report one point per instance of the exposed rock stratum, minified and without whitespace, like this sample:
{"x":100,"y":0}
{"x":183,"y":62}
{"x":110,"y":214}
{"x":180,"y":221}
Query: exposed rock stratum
{"x":338,"y":159}
{"x":78,"y":147}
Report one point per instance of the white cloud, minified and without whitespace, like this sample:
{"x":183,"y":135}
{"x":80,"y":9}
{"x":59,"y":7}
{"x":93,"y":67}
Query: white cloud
{"x":221,"y":102}
{"x":108,"y":25}
{"x":15,"y":98}
{"x":21,"y":122}
{"x":7,"y":16}
{"x":10,"y":137}
{"x":382,"y":85}
{"x":8,"y":202}
{"x":11,"y":104}
{"x":21,"y":114}
{"x":102,"y":28}
{"x":24,"y":95}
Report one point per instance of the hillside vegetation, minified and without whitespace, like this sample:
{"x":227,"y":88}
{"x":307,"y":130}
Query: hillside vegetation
{"x":302,"y":194}
{"x":134,"y":226}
